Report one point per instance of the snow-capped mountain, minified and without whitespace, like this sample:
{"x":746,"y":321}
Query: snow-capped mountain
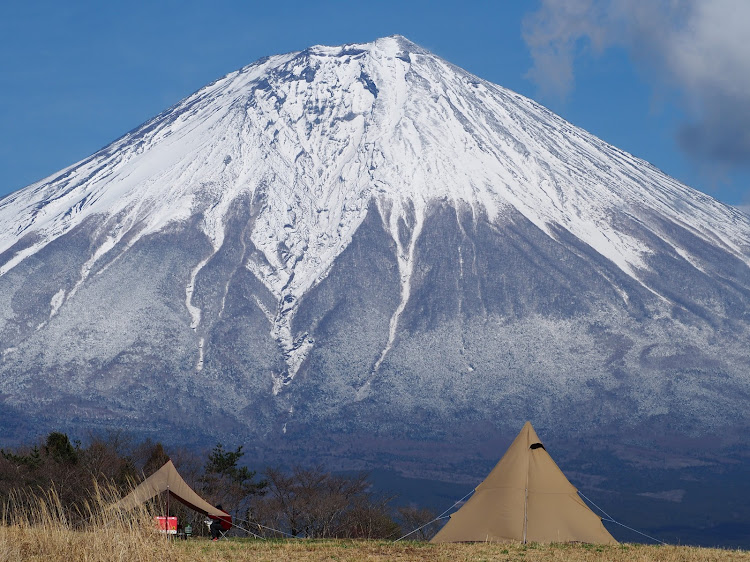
{"x":369,"y":241}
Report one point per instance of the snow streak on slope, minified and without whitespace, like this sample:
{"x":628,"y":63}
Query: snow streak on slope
{"x":405,"y":257}
{"x":315,"y":137}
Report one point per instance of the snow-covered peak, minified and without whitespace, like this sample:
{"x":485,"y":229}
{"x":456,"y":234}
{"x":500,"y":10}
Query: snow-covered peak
{"x":319,"y":135}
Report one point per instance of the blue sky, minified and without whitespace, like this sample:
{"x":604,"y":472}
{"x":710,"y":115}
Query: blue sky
{"x":77,"y":75}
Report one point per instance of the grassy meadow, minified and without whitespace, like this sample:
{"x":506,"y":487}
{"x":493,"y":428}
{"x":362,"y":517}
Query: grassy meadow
{"x":18,"y":543}
{"x":363,"y":550}
{"x":38,"y":527}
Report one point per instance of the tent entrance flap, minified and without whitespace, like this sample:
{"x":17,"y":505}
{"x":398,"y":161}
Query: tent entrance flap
{"x":168,"y":480}
{"x":525,"y":498}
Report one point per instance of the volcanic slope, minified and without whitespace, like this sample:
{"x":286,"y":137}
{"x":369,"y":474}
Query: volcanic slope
{"x":351,"y":244}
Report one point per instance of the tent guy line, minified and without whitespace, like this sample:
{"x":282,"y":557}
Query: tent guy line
{"x":610,"y":519}
{"x":438,"y":518}
{"x":248,"y":531}
{"x":607,"y":515}
{"x":634,"y":530}
{"x":263,"y":526}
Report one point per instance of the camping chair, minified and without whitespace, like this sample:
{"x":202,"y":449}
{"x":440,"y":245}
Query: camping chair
{"x":224,"y":528}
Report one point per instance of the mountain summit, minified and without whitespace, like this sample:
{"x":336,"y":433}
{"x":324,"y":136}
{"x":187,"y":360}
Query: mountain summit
{"x":366,"y":242}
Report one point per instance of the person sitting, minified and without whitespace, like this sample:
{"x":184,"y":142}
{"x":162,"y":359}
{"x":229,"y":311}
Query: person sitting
{"x":220,"y":524}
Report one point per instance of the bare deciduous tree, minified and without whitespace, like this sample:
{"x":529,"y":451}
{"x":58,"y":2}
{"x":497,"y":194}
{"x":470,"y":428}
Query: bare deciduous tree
{"x":317,"y":504}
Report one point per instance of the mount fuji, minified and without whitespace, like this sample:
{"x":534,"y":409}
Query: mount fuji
{"x":365,"y":254}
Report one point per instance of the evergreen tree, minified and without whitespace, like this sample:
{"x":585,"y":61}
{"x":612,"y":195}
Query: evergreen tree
{"x":60,"y":449}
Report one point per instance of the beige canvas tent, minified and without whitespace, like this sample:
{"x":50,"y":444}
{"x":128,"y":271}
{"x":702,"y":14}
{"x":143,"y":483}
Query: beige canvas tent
{"x":167,"y":479}
{"x":525,"y":498}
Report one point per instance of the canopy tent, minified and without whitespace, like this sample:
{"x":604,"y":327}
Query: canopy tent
{"x":167,"y":479}
{"x":525,"y":498}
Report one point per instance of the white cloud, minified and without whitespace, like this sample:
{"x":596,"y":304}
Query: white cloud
{"x":698,"y":48}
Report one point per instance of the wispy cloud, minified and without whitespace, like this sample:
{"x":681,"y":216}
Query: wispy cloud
{"x":699,"y":49}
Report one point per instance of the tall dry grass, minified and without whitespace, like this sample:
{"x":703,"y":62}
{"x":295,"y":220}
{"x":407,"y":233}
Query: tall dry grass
{"x":36,"y":526}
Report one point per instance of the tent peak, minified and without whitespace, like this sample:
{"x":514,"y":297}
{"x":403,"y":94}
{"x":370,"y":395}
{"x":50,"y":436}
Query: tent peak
{"x":528,"y":436}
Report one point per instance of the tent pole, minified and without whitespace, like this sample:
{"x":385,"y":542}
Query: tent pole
{"x":166,"y":522}
{"x":526,"y":499}
{"x":525,"y":513}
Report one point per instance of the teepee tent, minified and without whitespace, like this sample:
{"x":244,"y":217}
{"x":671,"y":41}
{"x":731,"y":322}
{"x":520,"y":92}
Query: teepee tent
{"x":525,"y":498}
{"x":167,"y":479}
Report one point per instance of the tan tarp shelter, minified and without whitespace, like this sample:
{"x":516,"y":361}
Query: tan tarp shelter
{"x":525,"y":498}
{"x":167,"y":479}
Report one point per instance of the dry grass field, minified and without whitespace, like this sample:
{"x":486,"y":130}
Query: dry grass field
{"x":344,"y":550}
{"x":38,"y":528}
{"x":18,"y":543}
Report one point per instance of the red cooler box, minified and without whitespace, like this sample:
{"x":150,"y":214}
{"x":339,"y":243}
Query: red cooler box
{"x":167,"y":525}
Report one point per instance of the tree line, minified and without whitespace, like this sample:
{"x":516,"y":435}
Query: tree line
{"x":305,"y":502}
